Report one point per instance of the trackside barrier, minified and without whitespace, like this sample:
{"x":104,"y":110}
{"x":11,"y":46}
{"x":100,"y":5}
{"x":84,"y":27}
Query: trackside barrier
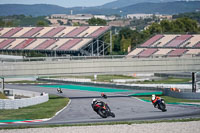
{"x":182,"y":95}
{"x":25,"y":102}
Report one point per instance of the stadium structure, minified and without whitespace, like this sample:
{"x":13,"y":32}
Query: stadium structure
{"x":65,"y":40}
{"x":168,"y":46}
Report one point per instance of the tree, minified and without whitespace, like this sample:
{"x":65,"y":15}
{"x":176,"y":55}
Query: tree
{"x":41,"y":23}
{"x":96,"y":21}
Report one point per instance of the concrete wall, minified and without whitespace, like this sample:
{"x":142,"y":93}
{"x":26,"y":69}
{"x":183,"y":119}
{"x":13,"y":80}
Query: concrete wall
{"x":19,"y":103}
{"x":100,"y":66}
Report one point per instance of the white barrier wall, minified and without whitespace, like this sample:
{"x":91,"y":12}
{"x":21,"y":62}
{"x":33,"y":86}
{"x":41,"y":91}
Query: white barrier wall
{"x":25,"y":102}
{"x":98,"y":66}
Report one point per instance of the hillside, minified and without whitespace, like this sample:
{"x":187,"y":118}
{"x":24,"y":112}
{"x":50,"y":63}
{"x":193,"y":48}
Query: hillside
{"x":163,"y":8}
{"x":123,"y":3}
{"x":44,"y":10}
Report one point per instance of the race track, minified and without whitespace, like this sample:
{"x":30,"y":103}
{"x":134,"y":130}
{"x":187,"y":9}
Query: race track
{"x":124,"y":107}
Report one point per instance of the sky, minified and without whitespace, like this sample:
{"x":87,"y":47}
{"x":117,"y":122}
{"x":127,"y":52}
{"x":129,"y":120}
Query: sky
{"x":63,"y":3}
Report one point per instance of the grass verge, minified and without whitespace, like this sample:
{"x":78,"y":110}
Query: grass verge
{"x":2,"y":96}
{"x":170,"y":99}
{"x":168,"y":81}
{"x":40,"y":111}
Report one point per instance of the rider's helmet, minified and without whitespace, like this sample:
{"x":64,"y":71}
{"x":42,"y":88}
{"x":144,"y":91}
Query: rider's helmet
{"x":153,"y":97}
{"x":94,"y":100}
{"x":102,"y":94}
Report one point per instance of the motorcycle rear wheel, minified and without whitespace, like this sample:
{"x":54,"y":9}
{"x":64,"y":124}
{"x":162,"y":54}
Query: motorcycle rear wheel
{"x":102,"y":112}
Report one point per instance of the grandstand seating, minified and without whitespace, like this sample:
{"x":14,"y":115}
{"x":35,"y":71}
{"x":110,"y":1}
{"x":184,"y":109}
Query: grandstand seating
{"x":35,"y":44}
{"x":197,"y":45}
{"x":178,"y":41}
{"x":24,"y":44}
{"x":14,"y":43}
{"x":76,"y":31}
{"x":45,"y":44}
{"x":69,"y":44}
{"x":12,"y":32}
{"x":53,"y":32}
{"x":151,"y":41}
{"x":162,"y":52}
{"x":147,"y":52}
{"x":32,"y":32}
{"x":193,"y":52}
{"x":6,"y":42}
{"x":135,"y":52}
{"x":99,"y":31}
{"x":177,"y":52}
{"x":81,"y":44}
{"x":163,"y":41}
{"x":192,"y":41}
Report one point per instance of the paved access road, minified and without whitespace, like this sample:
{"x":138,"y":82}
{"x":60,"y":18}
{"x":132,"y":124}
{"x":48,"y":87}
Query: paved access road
{"x":125,"y":108}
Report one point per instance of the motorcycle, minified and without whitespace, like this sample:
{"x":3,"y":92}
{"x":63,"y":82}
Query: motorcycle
{"x":104,"y":95}
{"x":59,"y":90}
{"x":103,"y":110}
{"x":161,"y":105}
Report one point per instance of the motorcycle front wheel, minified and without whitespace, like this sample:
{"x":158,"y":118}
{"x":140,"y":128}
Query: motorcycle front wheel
{"x":102,"y":112}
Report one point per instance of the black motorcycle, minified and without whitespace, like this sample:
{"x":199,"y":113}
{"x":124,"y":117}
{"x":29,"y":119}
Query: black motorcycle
{"x":59,"y":90}
{"x":161,"y":105}
{"x":103,"y":110}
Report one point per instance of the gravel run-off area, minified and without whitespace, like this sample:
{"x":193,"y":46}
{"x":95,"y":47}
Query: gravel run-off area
{"x":173,"y":127}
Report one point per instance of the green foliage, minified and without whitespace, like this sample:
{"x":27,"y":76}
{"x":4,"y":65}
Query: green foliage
{"x":40,"y":111}
{"x":191,"y":15}
{"x":21,"y":20}
{"x":97,"y":21}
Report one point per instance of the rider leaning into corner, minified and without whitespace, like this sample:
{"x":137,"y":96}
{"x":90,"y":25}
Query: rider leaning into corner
{"x":96,"y":102}
{"x":154,"y":100}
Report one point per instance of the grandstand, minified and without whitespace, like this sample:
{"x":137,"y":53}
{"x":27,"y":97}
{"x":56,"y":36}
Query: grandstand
{"x":168,"y":46}
{"x":72,"y":40}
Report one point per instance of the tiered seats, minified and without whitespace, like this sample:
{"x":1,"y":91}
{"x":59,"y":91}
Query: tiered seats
{"x":57,"y":44}
{"x":162,"y":52}
{"x":151,"y":41}
{"x":197,"y":45}
{"x":24,"y":44}
{"x":21,"y":32}
{"x":12,"y":32}
{"x":35,"y":44}
{"x":53,"y":32}
{"x":14,"y":43}
{"x":88,"y":31}
{"x":45,"y":44}
{"x":69,"y":44}
{"x":193,"y":52}
{"x":43,"y":31}
{"x":178,"y":41}
{"x":99,"y":31}
{"x":76,"y":31}
{"x":163,"y":41}
{"x":6,"y":42}
{"x":136,"y":51}
{"x":65,"y":31}
{"x":81,"y":44}
{"x":4,"y":30}
{"x":177,"y":52}
{"x":147,"y":52}
{"x":192,"y":41}
{"x":32,"y":32}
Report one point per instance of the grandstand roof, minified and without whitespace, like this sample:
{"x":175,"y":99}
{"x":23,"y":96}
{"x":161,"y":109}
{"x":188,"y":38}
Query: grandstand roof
{"x":63,"y":38}
{"x":168,"y":46}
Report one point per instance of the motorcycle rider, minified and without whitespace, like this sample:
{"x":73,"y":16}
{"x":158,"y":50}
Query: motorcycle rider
{"x":59,"y":90}
{"x":154,"y":100}
{"x":96,"y":102}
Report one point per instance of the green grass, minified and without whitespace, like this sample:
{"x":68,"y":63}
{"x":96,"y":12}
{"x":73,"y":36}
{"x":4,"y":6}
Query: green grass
{"x":2,"y":96}
{"x":100,"y":78}
{"x":168,"y":81}
{"x":40,"y":111}
{"x":171,"y":99}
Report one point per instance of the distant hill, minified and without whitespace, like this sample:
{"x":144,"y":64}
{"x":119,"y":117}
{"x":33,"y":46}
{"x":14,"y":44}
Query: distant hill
{"x":44,"y":9}
{"x":34,"y":10}
{"x":123,"y":3}
{"x":163,"y":8}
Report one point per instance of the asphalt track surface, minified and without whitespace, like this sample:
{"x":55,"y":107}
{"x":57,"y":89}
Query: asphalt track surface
{"x":125,"y":108}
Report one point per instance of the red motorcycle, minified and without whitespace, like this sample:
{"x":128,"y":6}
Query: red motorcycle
{"x":103,"y":110}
